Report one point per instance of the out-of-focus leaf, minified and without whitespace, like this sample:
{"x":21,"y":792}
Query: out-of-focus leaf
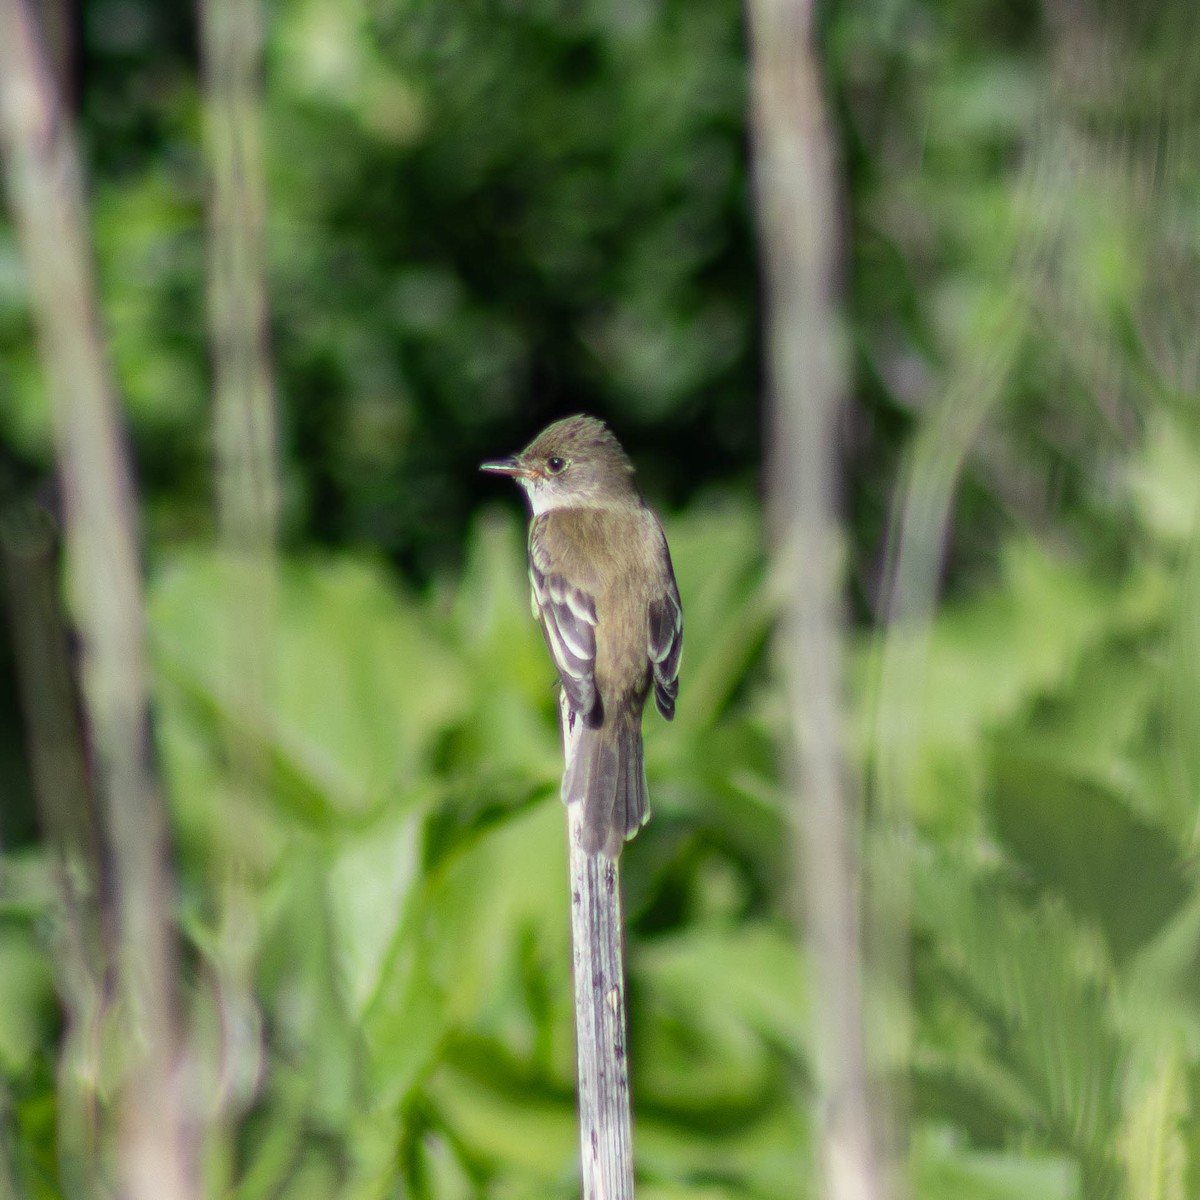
{"x":454,"y":960}
{"x":723,"y":1015}
{"x":1152,"y":1142}
{"x":1163,"y":478}
{"x":1082,"y":842}
{"x":990,"y":658}
{"x":1030,"y":647}
{"x":1094,"y":725}
{"x":767,"y":1153}
{"x":27,"y":884}
{"x":1031,"y":1032}
{"x":1181,"y":714}
{"x":304,"y":997}
{"x":27,"y":1007}
{"x":532,"y":1136}
{"x":332,"y":59}
{"x":945,"y":1169}
{"x":692,"y":1191}
{"x":512,"y":727}
{"x":210,"y":823}
{"x":151,"y":264}
{"x":369,"y":881}
{"x":346,"y":716}
{"x":727,"y":610}
{"x":438,"y":1170}
{"x":985,"y":101}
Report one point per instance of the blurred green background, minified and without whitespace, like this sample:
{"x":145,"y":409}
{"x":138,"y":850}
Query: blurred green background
{"x":486,"y":215}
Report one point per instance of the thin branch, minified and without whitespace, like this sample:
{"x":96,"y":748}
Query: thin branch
{"x":46,"y":195}
{"x":605,"y":1123}
{"x":799,"y":237}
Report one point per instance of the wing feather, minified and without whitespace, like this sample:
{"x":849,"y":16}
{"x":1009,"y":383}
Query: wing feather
{"x":665,"y":644}
{"x":568,"y":619}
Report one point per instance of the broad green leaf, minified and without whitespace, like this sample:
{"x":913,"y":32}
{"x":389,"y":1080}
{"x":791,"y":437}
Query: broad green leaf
{"x":369,"y":880}
{"x":1082,"y":842}
{"x":454,"y":963}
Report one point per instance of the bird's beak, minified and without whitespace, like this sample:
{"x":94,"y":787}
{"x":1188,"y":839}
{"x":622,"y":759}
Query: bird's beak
{"x":507,"y":466}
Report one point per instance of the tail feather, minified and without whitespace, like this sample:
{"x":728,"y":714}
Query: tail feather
{"x":608,"y":777}
{"x":633,"y":807}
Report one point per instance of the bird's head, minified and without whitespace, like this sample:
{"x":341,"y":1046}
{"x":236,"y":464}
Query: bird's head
{"x":574,"y":463}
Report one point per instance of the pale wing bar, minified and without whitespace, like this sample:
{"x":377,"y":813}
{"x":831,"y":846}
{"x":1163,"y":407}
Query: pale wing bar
{"x":568,"y":619}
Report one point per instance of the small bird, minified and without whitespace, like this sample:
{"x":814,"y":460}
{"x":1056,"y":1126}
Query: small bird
{"x":604,"y":591}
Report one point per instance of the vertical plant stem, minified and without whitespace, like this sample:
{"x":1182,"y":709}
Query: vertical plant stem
{"x":247,"y":477}
{"x":247,"y":494}
{"x":799,"y":236}
{"x":605,"y":1123}
{"x":82,"y":941}
{"x":46,"y":195}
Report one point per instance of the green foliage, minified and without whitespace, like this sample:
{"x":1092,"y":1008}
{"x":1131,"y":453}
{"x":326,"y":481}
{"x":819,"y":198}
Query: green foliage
{"x":406,"y":873}
{"x":26,"y":1000}
{"x":405,"y":854}
{"x":482,"y":214}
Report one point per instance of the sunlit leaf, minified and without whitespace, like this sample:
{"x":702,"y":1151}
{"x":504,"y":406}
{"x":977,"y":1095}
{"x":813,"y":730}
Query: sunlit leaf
{"x":1153,"y":1146}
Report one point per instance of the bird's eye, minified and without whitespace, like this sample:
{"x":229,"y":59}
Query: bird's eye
{"x":556,"y":465}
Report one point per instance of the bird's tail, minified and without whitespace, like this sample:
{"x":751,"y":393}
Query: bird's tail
{"x":608,"y":776}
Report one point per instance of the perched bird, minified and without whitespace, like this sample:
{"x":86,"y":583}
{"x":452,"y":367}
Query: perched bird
{"x":605,"y":594}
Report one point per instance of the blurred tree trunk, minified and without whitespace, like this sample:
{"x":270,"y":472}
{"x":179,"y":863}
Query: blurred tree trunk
{"x":799,"y":247}
{"x":156,"y":1156}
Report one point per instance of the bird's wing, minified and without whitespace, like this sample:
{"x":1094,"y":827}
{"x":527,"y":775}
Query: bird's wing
{"x":666,"y":641}
{"x":568,"y":618}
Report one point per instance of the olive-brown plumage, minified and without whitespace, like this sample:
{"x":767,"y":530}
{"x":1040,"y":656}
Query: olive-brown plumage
{"x":604,"y":591}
